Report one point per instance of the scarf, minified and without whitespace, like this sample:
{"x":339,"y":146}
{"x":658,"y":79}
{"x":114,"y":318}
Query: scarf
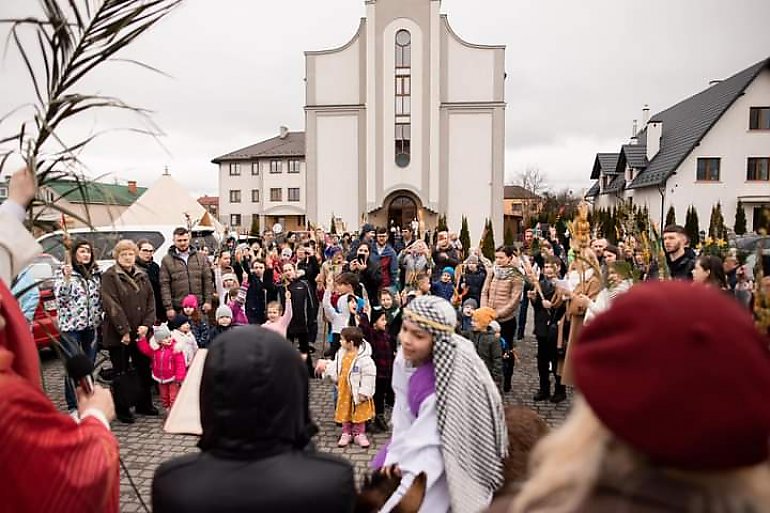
{"x":129,"y":275}
{"x":505,"y":272}
{"x":471,"y":420}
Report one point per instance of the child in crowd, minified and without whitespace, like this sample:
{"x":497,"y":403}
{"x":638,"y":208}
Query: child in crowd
{"x":472,"y":279}
{"x":168,"y":363}
{"x":466,"y":315}
{"x":487,"y":346}
{"x":389,"y":304}
{"x":509,"y":355}
{"x":182,"y":333}
{"x":375,"y":330}
{"x":198,"y":325}
{"x":237,"y":302}
{"x":277,"y":320}
{"x":344,"y":285}
{"x":224,"y":318}
{"x":444,"y":287}
{"x":355,"y":373}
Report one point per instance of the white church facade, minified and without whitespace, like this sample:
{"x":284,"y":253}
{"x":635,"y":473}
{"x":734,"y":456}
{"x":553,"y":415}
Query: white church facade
{"x":406,"y":121}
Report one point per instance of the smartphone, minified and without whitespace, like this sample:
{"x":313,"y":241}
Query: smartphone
{"x":361,"y":259}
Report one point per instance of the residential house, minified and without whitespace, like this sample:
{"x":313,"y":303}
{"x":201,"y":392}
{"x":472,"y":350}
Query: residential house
{"x":264,"y":184}
{"x":100,"y":204}
{"x":211,"y":204}
{"x":712,"y":147}
{"x":519,"y":205}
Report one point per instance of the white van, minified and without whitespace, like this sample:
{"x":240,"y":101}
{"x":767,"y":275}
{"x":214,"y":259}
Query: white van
{"x":103,"y":240}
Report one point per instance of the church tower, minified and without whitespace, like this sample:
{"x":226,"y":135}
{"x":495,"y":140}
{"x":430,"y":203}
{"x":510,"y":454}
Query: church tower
{"x":406,"y":121}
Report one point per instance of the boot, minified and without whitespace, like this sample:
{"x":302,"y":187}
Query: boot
{"x":560,"y":394}
{"x":542,"y":395}
{"x":381,"y":423}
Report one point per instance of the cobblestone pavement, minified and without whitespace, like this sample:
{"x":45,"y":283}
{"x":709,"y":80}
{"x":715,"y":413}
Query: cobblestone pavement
{"x":144,"y":445}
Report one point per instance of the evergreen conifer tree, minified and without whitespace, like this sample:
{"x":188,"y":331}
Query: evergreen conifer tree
{"x":740,"y":219}
{"x":670,"y":216}
{"x":488,"y":245}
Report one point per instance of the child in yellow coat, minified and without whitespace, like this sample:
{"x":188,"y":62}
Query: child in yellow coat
{"x":355,"y":373}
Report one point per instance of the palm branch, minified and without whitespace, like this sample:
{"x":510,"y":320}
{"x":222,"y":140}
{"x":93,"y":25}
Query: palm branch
{"x":71,"y":39}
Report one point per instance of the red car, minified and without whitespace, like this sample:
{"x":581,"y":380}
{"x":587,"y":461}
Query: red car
{"x":45,"y":329}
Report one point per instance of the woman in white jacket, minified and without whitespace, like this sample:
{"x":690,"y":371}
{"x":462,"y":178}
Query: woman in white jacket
{"x":355,"y":373}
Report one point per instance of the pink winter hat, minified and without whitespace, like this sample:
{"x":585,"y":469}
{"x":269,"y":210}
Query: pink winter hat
{"x":190,"y":301}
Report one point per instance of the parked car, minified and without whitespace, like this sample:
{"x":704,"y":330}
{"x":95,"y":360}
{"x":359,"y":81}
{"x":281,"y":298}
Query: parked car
{"x":103,"y":240}
{"x":749,"y":245}
{"x":44,"y":325}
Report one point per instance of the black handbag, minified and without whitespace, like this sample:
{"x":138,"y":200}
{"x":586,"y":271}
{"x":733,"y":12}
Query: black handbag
{"x":126,"y":384}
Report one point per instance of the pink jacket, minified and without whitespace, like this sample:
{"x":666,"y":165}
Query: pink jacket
{"x":168,"y":363}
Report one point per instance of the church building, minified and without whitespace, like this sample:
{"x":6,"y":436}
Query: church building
{"x":406,"y":121}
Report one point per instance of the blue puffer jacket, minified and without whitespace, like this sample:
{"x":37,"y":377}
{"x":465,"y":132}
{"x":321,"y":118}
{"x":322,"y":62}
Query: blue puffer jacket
{"x":78,"y":300}
{"x":441,"y":289}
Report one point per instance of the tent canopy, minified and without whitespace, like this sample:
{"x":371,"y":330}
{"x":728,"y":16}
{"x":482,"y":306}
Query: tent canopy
{"x":168,"y":202}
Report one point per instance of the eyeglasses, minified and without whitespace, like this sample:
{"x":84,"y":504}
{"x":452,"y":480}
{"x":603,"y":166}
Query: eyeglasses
{"x":146,"y":250}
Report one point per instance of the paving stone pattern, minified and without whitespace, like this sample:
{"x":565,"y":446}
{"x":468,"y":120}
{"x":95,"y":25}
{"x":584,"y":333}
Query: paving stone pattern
{"x":144,"y":445}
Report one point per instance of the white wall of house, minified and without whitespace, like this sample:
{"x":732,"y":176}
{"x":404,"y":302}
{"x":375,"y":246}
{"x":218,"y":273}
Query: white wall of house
{"x":337,"y":149}
{"x":246,"y":182}
{"x":337,"y":76}
{"x":471,"y":75}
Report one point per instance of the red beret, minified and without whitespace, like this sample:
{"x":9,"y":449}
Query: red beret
{"x":680,"y":373}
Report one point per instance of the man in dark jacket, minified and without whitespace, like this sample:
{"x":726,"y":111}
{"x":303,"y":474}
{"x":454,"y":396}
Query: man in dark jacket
{"x":385,"y":256}
{"x":261,"y":291}
{"x":679,"y":257}
{"x":304,"y":307}
{"x":184,"y":271}
{"x":255,"y":448}
{"x":444,"y":255}
{"x":145,"y":262}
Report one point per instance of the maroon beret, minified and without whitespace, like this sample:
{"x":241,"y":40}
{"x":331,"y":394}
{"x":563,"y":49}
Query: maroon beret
{"x":679,"y":372}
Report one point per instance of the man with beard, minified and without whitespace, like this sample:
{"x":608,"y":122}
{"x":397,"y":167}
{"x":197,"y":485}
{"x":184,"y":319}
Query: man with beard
{"x":679,"y":257}
{"x":305,"y":309}
{"x":145,"y":262}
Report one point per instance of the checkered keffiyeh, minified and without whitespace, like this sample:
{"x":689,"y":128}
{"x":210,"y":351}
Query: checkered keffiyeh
{"x":471,"y":420}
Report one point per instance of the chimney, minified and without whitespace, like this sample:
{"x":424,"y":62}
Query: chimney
{"x":654,"y":134}
{"x":645,"y":114}
{"x":132,"y":186}
{"x":634,"y":139}
{"x":284,"y":132}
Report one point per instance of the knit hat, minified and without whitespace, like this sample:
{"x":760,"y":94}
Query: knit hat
{"x":470,"y":302}
{"x":701,"y":370}
{"x":483,"y":316}
{"x":473,"y":259}
{"x":286,"y":253}
{"x":377,"y":312}
{"x":495,"y":326}
{"x":367,"y":228}
{"x":162,"y":332}
{"x":190,"y":301}
{"x":229,"y":276}
{"x":224,"y":311}
{"x":449,"y":270}
{"x":177,"y":321}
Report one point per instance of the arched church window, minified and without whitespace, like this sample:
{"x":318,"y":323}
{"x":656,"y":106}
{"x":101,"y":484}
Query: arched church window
{"x":403,"y":77}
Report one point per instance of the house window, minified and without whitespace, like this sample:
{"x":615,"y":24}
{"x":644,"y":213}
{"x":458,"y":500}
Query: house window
{"x":235,"y":169}
{"x":403,"y":98}
{"x":759,"y":118}
{"x":275,"y":166}
{"x":294,"y":166}
{"x":3,"y":192}
{"x":235,"y":196}
{"x":276,"y":194}
{"x":235,"y":219}
{"x":255,"y":169}
{"x":255,"y":195}
{"x":758,"y":169}
{"x":293,"y":194}
{"x":708,"y":170}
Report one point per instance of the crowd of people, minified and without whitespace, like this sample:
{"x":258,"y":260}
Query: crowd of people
{"x":419,"y":337}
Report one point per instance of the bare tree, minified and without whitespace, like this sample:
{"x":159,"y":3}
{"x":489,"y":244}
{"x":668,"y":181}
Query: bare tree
{"x":532,"y":179}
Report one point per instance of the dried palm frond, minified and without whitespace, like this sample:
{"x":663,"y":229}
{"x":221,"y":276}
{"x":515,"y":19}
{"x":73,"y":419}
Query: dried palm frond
{"x":72,"y":38}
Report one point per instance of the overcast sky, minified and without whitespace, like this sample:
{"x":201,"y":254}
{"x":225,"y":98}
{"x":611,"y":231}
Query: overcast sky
{"x":578,"y":74}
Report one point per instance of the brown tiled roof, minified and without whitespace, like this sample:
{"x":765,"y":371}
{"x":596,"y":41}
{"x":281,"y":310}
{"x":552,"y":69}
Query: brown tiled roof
{"x":293,"y":145}
{"x":209,"y":200}
{"x":519,"y":192}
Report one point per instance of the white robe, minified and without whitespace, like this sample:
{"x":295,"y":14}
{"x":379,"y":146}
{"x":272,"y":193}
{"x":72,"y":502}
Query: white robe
{"x":416,"y":444}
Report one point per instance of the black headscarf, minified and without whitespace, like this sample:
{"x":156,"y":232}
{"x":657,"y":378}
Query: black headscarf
{"x":254,"y":396}
{"x":84,"y":270}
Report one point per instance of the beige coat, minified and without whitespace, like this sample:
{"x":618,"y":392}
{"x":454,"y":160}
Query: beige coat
{"x":502,"y":295}
{"x":17,"y":246}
